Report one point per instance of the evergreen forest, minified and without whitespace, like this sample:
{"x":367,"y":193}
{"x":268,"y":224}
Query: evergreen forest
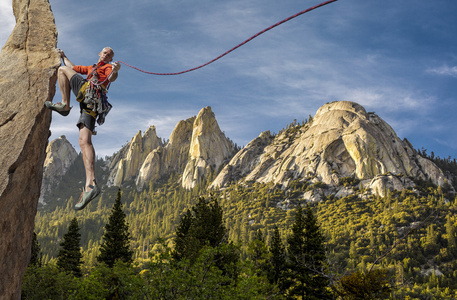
{"x":246,"y":241}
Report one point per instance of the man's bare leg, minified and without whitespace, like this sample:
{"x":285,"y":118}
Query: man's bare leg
{"x":88,"y":151}
{"x":64,"y":75}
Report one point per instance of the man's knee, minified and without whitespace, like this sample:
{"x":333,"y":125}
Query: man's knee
{"x":85,"y":137}
{"x":65,"y":71}
{"x":83,"y":142}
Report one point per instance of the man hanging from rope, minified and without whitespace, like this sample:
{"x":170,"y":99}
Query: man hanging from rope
{"x":91,"y":93}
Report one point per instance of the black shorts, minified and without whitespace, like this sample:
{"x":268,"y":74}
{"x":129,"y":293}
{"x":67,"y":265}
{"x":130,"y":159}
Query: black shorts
{"x":76,"y":82}
{"x":86,"y":120}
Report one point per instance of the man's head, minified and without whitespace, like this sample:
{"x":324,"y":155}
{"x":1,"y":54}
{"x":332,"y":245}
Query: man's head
{"x":106,"y":54}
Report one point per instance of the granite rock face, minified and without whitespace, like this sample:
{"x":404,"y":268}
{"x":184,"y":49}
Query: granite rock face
{"x":60,"y":155}
{"x":209,"y":149}
{"x":28,"y":74}
{"x":244,"y":161}
{"x":196,"y":148}
{"x":342,"y":140}
{"x":170,"y":158}
{"x":128,"y":160}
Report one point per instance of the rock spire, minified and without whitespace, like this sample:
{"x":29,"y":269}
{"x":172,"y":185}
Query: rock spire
{"x":28,"y":69}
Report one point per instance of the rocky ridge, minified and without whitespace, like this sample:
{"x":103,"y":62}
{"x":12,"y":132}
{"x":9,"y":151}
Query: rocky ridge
{"x":129,"y":159}
{"x":209,"y":148}
{"x":341,"y":140}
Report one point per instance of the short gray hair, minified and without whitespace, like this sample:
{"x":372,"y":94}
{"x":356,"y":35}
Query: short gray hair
{"x":109,"y":48}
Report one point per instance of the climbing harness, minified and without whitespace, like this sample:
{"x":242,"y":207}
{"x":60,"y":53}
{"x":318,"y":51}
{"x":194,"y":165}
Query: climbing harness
{"x":93,"y":95}
{"x":236,"y":47}
{"x":96,"y":101}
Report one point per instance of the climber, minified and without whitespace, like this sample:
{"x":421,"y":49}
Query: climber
{"x":91,"y":93}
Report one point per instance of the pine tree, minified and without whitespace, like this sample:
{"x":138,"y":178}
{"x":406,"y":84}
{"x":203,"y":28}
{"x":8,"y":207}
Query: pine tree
{"x":69,"y":257}
{"x":297,"y":273}
{"x":204,"y":226}
{"x":36,"y":255}
{"x":451,"y":236}
{"x":277,"y":257}
{"x":306,"y":253}
{"x":315,"y":255}
{"x":184,"y":245}
{"x":257,"y":252}
{"x":116,"y":238}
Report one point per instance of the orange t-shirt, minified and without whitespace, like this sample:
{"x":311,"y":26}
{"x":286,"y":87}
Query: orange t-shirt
{"x":103,"y":71}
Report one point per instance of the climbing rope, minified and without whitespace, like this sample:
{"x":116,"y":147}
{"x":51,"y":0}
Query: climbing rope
{"x":236,"y":47}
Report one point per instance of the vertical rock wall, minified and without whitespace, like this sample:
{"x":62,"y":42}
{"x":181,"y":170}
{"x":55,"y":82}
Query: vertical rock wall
{"x":28,"y":65}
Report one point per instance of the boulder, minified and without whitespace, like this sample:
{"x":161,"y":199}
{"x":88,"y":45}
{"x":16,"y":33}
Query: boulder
{"x":28,"y":74}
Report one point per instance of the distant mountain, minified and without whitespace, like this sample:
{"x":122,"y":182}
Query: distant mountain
{"x":341,"y":142}
{"x":60,"y":155}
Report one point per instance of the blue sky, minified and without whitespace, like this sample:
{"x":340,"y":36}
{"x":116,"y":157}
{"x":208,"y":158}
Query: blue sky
{"x":396,"y":58}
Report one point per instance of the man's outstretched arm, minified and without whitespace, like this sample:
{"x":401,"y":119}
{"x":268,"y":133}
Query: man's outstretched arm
{"x":65,"y":59}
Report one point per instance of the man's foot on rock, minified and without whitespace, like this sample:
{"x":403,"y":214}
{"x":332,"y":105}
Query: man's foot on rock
{"x":58,"y":107}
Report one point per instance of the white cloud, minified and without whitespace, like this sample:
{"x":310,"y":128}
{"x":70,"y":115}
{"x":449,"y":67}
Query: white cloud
{"x":450,"y":143}
{"x":444,"y":70}
{"x":7,"y":20}
{"x":230,"y":21}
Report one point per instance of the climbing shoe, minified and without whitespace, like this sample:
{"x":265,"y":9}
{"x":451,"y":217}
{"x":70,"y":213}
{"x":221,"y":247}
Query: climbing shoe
{"x":58,"y":107}
{"x":86,"y":197}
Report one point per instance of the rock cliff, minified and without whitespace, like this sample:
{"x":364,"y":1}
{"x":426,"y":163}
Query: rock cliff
{"x":60,"y":155}
{"x":244,"y":161}
{"x":28,"y":65}
{"x":342,"y":140}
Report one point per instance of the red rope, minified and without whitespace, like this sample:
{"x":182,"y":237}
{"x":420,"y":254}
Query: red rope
{"x":236,"y":47}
